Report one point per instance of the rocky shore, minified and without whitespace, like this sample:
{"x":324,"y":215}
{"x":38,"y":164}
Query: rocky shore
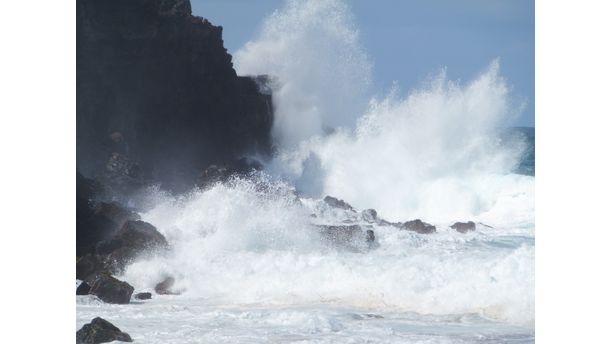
{"x":159,"y":103}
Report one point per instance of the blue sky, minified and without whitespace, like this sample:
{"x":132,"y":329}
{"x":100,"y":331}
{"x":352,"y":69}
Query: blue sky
{"x":410,"y":40}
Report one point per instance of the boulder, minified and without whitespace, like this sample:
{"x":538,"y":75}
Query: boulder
{"x":351,"y":237}
{"x":464,"y":227}
{"x":143,"y":296}
{"x":111,"y":290}
{"x":100,"y":331}
{"x":337,"y":203}
{"x":83,"y":288}
{"x":165,"y":287}
{"x":134,"y":238}
{"x":418,"y":226}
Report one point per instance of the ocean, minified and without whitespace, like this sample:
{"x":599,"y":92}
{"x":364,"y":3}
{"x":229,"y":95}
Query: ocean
{"x":247,"y":258}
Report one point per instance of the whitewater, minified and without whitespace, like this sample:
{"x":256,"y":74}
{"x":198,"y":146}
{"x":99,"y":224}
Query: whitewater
{"x":247,"y":260}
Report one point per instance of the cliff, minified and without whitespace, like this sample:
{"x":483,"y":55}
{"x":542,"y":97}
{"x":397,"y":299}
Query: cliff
{"x":156,"y":86}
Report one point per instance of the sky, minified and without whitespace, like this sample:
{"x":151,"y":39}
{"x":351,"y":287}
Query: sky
{"x":408,"y":41}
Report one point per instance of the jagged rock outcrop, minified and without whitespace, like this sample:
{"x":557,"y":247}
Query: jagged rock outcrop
{"x":157,"y":93}
{"x":100,"y":331}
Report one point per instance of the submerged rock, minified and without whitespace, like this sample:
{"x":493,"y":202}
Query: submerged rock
{"x":165,"y":287}
{"x":111,"y":290}
{"x":143,"y":296}
{"x":418,"y":226}
{"x":352,"y":237}
{"x":464,"y":227}
{"x":100,"y":331}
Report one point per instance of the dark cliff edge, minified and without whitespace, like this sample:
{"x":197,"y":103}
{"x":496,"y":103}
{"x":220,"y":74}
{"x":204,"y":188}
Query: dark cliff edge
{"x":156,"y":87}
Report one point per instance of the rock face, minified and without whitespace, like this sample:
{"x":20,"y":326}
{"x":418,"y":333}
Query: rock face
{"x":157,"y":95}
{"x":464,"y":227}
{"x":418,"y":226}
{"x":111,"y":290}
{"x":100,"y":331}
{"x":221,"y":173}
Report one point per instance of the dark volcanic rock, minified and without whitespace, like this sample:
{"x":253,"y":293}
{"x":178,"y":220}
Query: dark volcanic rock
{"x":165,"y":287}
{"x":100,"y":331}
{"x":464,"y":227}
{"x":157,"y":93}
{"x":88,"y":266}
{"x":133,"y":239}
{"x":352,"y":237}
{"x":96,"y":220}
{"x":337,"y":203}
{"x":88,"y":230}
{"x":122,"y":175}
{"x":221,"y":173}
{"x":369,"y":215}
{"x":111,"y":290}
{"x":143,"y":296}
{"x":418,"y":226}
{"x":83,"y":288}
{"x":114,"y":214}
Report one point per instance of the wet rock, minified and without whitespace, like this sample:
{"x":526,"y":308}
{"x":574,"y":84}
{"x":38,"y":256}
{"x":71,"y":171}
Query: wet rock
{"x":366,"y":316}
{"x":165,"y":287}
{"x":115,"y":214}
{"x":370,"y":238}
{"x":123,"y":175}
{"x":90,"y":228}
{"x":133,"y":239}
{"x":369,"y":215}
{"x":89,"y":266}
{"x":351,"y":237}
{"x":83,"y":288}
{"x":222,"y":172}
{"x":100,"y":331}
{"x":464,"y":227}
{"x":111,"y":290}
{"x":337,"y":203}
{"x":418,"y":226}
{"x":143,"y":296}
